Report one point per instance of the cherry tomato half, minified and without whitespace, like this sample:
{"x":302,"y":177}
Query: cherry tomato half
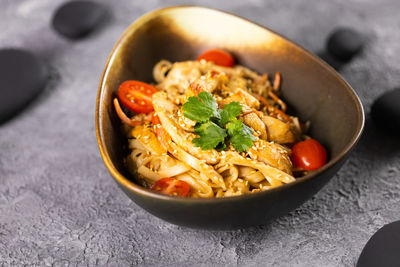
{"x":137,"y":96}
{"x":171,"y":186}
{"x":219,"y":57}
{"x":308,"y":155}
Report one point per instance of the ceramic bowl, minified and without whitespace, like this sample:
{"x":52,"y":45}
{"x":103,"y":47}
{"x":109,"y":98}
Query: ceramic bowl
{"x":313,"y":89}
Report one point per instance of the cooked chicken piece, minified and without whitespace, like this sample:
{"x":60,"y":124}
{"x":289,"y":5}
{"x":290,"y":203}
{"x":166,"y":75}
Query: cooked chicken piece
{"x":272,"y":154}
{"x":209,"y":83}
{"x":243,"y":97}
{"x":206,"y":83}
{"x":179,"y":77}
{"x":278,"y":131}
{"x":253,"y":121}
{"x":145,"y":135}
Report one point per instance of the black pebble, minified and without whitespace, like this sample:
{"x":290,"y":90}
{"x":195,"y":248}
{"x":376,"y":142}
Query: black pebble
{"x":385,"y":112}
{"x":344,"y":43}
{"x":22,"y":77}
{"x":76,"y":19}
{"x":383,"y":248}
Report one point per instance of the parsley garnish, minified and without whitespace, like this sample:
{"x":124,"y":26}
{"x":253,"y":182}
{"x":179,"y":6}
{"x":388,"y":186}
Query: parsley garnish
{"x":217,"y":127}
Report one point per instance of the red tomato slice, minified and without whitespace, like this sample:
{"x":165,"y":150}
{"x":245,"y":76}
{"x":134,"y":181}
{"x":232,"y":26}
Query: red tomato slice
{"x":137,"y":96}
{"x":171,"y":186}
{"x":219,"y":57}
{"x":308,"y":155}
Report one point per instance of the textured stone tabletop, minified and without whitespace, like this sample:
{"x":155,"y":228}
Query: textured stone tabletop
{"x":59,"y":205}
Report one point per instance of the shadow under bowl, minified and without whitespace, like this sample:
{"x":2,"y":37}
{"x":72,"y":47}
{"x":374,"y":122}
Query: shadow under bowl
{"x":314,"y":91}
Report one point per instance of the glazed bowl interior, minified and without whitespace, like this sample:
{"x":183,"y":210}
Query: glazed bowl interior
{"x":314,"y":91}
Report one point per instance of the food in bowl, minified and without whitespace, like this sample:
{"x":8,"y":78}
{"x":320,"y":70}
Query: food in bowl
{"x":210,"y":128}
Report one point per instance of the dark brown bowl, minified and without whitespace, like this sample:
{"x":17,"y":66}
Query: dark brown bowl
{"x":313,"y":89}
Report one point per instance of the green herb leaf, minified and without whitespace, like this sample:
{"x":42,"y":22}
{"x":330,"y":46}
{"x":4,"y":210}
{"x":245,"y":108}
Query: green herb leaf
{"x":240,"y":135}
{"x":221,"y":146}
{"x":230,"y":112}
{"x":211,"y":135}
{"x":214,"y":125}
{"x":201,"y":108}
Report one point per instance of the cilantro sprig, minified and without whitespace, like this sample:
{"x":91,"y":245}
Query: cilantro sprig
{"x":217,"y":127}
{"x":241,"y":136}
{"x":230,"y":112}
{"x":211,"y":135}
{"x":201,"y":108}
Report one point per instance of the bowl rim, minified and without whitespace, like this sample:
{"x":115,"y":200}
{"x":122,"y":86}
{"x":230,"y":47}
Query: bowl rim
{"x":144,"y":192}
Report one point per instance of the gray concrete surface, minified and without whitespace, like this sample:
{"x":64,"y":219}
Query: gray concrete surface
{"x":59,"y":206}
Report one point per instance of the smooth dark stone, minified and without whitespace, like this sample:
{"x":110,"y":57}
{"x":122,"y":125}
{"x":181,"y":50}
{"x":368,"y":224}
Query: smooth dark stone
{"x":385,"y":111}
{"x":331,"y":60}
{"x":22,"y":77}
{"x":78,"y":18}
{"x":383,"y":248}
{"x":344,"y":43}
